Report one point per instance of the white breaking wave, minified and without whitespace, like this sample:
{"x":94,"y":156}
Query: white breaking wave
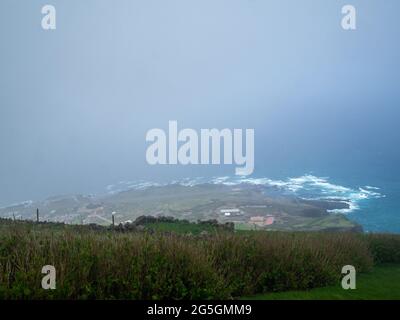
{"x":311,"y":187}
{"x":308,"y":187}
{"x":25,"y":204}
{"x":131,"y":185}
{"x":373,"y":188}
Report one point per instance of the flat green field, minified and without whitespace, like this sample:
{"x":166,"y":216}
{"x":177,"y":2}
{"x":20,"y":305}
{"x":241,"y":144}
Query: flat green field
{"x":383,"y":283}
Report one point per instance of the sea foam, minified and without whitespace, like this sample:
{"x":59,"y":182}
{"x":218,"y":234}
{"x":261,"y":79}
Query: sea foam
{"x":308,"y":187}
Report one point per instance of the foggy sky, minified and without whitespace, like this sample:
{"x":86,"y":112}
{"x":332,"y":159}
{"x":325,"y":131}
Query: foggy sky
{"x":76,"y":102}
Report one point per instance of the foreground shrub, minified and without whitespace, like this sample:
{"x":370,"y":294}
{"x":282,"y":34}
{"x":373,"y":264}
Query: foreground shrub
{"x":283,"y":261}
{"x":113,"y":266}
{"x":385,"y":248}
{"x":94,"y":264}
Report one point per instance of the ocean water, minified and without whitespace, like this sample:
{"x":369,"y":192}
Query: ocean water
{"x":373,"y":205}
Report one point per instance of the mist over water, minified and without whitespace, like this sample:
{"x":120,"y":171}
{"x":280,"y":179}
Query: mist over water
{"x":76,"y":103}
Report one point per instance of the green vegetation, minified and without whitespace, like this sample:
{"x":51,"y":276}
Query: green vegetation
{"x":383,"y":283}
{"x":385,"y":247}
{"x":192,"y":203}
{"x":332,"y":221}
{"x":94,"y":262}
{"x":173,"y":225}
{"x":181,"y":227}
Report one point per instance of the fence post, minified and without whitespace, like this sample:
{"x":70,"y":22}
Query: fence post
{"x":113,"y":218}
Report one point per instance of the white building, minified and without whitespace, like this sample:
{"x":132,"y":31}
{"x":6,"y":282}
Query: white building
{"x":228,"y":212}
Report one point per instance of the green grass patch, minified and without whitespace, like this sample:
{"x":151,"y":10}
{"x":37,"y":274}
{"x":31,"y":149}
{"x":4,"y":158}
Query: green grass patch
{"x":383,"y":283}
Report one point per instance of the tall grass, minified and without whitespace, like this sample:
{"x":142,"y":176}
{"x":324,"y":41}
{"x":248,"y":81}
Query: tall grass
{"x":110,"y":265}
{"x":385,"y":248}
{"x":281,"y":261}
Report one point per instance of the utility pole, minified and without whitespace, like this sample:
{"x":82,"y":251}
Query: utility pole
{"x":37,"y":215}
{"x":113,"y":218}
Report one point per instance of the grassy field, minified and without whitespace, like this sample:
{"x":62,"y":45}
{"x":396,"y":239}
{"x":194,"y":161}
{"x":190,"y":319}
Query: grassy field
{"x":383,"y":283}
{"x":332,"y":222}
{"x":172,"y":261}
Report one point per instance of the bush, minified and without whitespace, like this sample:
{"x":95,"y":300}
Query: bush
{"x":281,"y":261}
{"x":95,"y":264}
{"x":385,"y":248}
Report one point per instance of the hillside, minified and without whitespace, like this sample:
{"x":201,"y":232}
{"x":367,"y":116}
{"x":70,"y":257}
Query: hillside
{"x":248,"y":207}
{"x":146,"y":261}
